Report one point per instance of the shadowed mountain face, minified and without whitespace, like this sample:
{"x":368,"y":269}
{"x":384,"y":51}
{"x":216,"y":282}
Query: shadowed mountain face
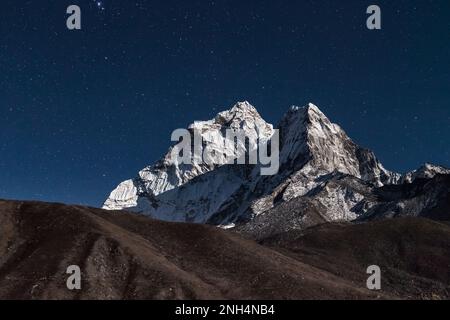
{"x":338,"y":193}
{"x":126,"y":256}
{"x":425,"y":197}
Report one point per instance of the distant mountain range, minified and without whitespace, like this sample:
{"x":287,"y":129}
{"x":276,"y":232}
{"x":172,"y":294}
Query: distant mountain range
{"x":324,"y":177}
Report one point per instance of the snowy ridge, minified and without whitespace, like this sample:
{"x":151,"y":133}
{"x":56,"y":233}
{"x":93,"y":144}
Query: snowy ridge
{"x":426,"y":171}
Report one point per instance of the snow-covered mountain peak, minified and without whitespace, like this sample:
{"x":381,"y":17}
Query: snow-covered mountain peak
{"x":315,"y":112}
{"x":432,"y":167}
{"x":307,"y":133}
{"x":241,"y":116}
{"x":243,"y":106}
{"x":308,"y":110}
{"x":307,"y":118}
{"x":313,"y":146}
{"x":314,"y":156}
{"x":166,"y":174}
{"x":426,"y":171}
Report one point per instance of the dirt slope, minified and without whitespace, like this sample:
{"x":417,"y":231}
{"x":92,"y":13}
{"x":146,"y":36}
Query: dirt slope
{"x":125,"y":256}
{"x":413,"y":253}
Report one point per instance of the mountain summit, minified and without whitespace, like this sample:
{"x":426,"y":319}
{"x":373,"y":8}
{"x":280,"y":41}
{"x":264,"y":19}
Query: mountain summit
{"x":323,"y":176}
{"x":309,"y":136}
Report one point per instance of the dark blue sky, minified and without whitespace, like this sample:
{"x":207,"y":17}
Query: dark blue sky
{"x":83,"y":110}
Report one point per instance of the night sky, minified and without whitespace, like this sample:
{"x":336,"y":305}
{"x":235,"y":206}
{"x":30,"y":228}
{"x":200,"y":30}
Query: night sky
{"x":83,"y":110}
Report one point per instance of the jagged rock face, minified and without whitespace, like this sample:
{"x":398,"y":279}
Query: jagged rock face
{"x":311,"y":148}
{"x":332,"y":197}
{"x":327,"y":147}
{"x":321,"y":168}
{"x":342,"y":197}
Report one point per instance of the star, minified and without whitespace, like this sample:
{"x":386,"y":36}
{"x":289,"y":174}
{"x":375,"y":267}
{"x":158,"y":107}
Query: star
{"x":99,"y":4}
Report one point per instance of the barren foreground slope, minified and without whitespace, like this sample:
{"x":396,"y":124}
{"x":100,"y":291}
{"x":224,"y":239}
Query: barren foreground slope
{"x":125,"y":256}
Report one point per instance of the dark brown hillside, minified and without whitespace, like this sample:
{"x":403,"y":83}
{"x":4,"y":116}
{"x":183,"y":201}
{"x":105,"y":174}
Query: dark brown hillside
{"x":124,"y":256}
{"x":413,"y":253}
